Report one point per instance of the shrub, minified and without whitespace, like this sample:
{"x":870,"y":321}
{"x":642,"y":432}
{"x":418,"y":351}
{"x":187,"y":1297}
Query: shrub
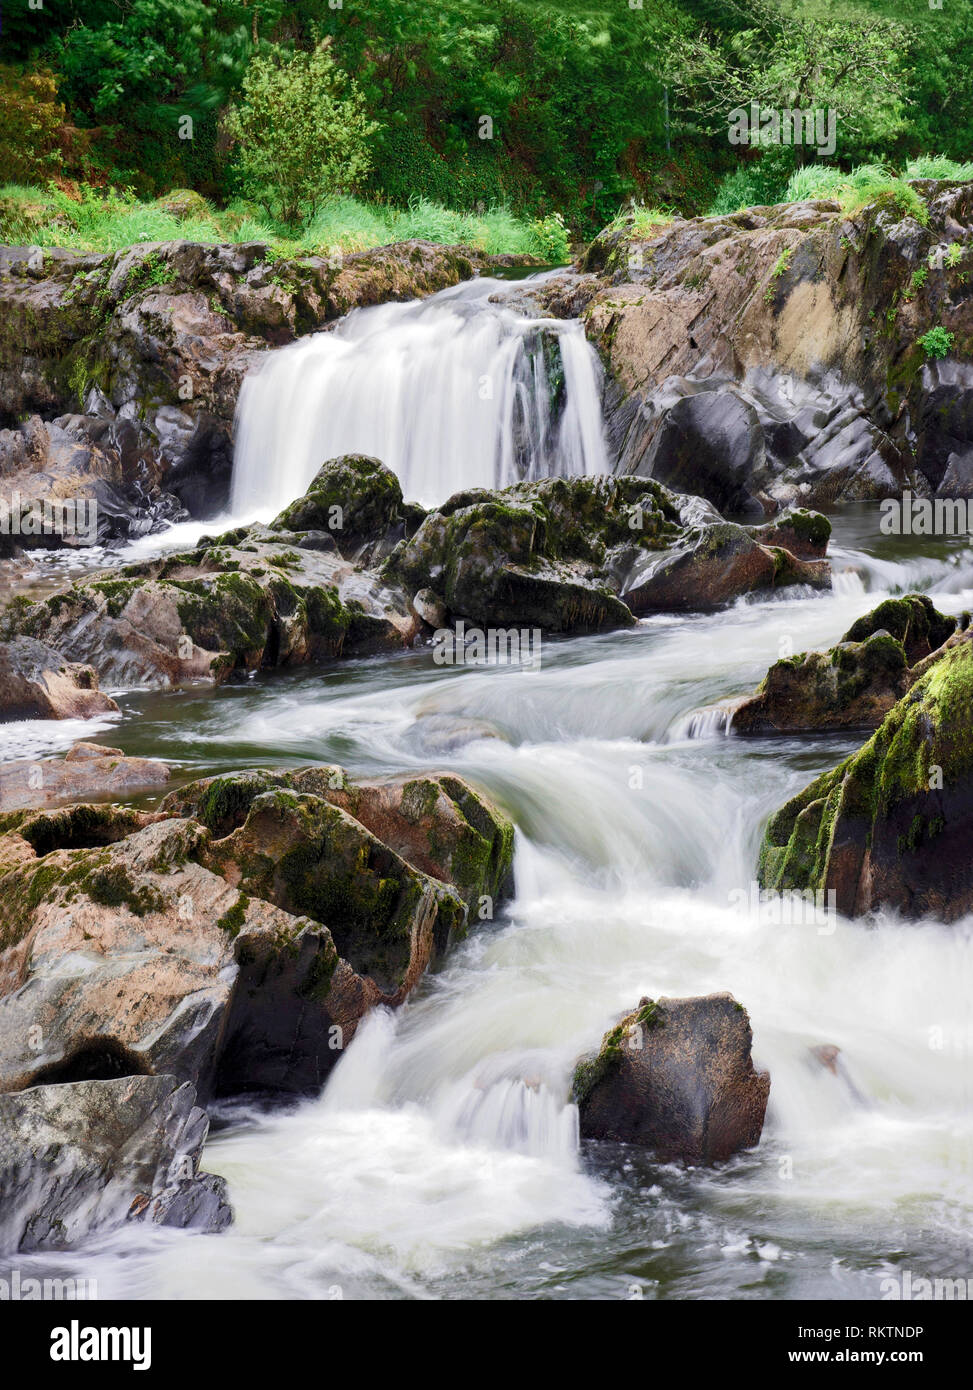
{"x":301,"y":131}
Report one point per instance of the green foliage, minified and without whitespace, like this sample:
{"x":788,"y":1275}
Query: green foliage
{"x":938,"y":342}
{"x":591,"y":103}
{"x":866,"y":184}
{"x":301,"y":131}
{"x":936,"y":166}
{"x":111,"y":221}
{"x":549,"y":239}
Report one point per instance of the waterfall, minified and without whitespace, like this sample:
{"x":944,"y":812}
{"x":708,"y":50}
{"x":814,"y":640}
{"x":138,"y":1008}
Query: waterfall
{"x":452,"y":392}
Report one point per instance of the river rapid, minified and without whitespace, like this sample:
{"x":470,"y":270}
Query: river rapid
{"x":442,"y":1159}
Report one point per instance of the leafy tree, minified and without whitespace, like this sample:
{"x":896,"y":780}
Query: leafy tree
{"x":302,"y":131}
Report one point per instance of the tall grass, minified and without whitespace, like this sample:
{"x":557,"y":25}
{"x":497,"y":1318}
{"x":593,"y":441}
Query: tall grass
{"x":98,"y":221}
{"x":868,"y":183}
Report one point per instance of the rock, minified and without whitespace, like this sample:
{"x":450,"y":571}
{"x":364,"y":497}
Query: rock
{"x":856,"y":682}
{"x":80,"y":1160}
{"x":772,"y":356}
{"x":36,"y":682}
{"x":430,"y":609}
{"x":238,"y":951}
{"x":358,"y":501}
{"x":709,"y":443}
{"x":891,"y":826}
{"x":162,"y":334}
{"x":86,"y":770}
{"x":675,"y":1076}
{"x":79,"y":481}
{"x":713,"y":565}
{"x":251,"y":598}
{"x":585,"y":554}
{"x":440,"y":824}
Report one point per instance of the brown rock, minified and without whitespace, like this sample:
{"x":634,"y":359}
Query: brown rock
{"x":87,"y":770}
{"x":37,"y":682}
{"x":676,"y":1076}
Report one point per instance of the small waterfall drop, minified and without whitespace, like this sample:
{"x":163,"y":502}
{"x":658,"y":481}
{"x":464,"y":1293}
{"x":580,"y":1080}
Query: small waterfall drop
{"x":452,"y":392}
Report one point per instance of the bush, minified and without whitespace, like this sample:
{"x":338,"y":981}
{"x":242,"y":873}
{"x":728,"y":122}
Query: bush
{"x":549,"y":239}
{"x":301,"y":131}
{"x":31,"y":118}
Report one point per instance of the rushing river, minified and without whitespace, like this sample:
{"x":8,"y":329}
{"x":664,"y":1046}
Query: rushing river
{"x":442,"y":1159}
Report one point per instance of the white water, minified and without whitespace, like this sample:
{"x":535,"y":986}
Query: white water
{"x":442,"y":1159}
{"x":450,"y":392}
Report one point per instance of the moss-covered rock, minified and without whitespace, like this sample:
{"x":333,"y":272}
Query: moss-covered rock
{"x":440,"y":824}
{"x":314,"y":860}
{"x":675,"y":1076}
{"x":856,"y":682}
{"x":891,"y":826}
{"x":249,"y":599}
{"x":582,"y":554}
{"x":356,"y":500}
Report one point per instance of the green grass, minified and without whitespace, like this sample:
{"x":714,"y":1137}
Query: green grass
{"x":747,"y":185}
{"x":111,"y":221}
{"x":868,"y":183}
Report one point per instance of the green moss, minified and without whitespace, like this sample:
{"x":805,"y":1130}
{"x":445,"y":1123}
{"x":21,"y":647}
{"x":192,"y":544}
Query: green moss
{"x":233,"y":919}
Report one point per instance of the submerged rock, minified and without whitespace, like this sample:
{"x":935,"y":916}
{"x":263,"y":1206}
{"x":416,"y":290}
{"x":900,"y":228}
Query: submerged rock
{"x":80,"y":1160}
{"x":238,"y":951}
{"x":676,"y":1076}
{"x":891,"y":826}
{"x":37,"y":682}
{"x":856,"y":682}
{"x":86,"y":770}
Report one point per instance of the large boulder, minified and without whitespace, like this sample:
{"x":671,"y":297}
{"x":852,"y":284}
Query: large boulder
{"x":585,"y":554}
{"x":773,"y":355}
{"x":856,"y":682}
{"x":676,"y":1076}
{"x":37,"y":682}
{"x":238,"y":951}
{"x":356,"y":501}
{"x":80,"y":1160}
{"x":439,"y":823}
{"x":891,"y":826}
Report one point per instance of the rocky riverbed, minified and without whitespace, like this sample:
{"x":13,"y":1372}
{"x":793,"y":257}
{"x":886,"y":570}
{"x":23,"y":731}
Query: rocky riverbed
{"x":320,"y":834}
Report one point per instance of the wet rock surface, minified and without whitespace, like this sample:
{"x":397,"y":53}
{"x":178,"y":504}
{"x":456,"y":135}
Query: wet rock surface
{"x":856,"y":682}
{"x":891,"y":826}
{"x":675,"y":1076}
{"x":82,"y":1159}
{"x":240,"y":950}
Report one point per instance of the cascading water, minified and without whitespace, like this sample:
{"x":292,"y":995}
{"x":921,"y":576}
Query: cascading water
{"x":443,"y":1155}
{"x":453,"y":392}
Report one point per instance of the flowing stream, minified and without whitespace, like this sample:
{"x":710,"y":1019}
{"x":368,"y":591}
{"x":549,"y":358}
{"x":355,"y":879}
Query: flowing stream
{"x":442,"y":1158}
